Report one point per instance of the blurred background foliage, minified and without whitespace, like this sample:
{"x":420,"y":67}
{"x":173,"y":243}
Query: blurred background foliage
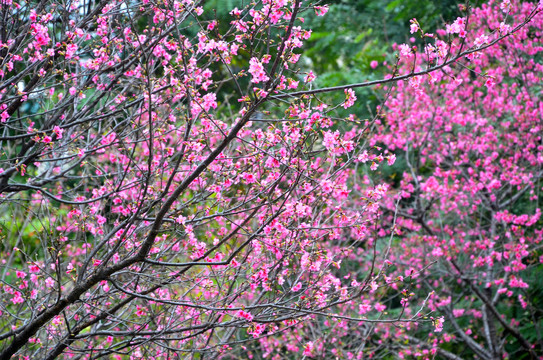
{"x":355,"y":33}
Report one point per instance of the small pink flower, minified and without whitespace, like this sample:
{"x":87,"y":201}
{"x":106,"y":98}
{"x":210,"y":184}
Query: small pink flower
{"x":58,"y":131}
{"x":257,"y":70}
{"x":458,"y":312}
{"x":504,"y":28}
{"x":405,"y":51}
{"x":374,"y":64}
{"x":71,"y":49}
{"x":100,"y":220}
{"x":211,"y":25}
{"x":4,"y":116}
{"x":256,"y":330}
{"x":310,"y":77}
{"x":391,"y":159}
{"x":308,"y":349}
{"x":69,"y":268}
{"x":350,"y":100}
{"x":249,"y":178}
{"x":481,"y":40}
{"x":321,"y":10}
{"x":49,"y":282}
{"x":245,"y":315}
{"x":140,"y":311}
{"x":438,"y":324}
{"x":17,"y":298}
{"x":489,"y":83}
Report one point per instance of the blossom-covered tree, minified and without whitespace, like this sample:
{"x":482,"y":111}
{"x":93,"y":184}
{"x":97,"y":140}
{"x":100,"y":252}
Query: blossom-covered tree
{"x":469,"y":214}
{"x":172,"y":185}
{"x":460,"y":241}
